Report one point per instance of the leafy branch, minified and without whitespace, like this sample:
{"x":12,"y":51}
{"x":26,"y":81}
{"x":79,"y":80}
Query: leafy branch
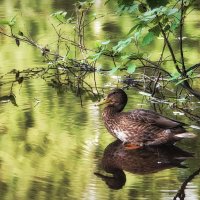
{"x":153,"y":20}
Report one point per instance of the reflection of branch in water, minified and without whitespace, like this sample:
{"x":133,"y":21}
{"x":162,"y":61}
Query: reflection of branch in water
{"x":8,"y":98}
{"x":11,"y":97}
{"x":181,"y":192}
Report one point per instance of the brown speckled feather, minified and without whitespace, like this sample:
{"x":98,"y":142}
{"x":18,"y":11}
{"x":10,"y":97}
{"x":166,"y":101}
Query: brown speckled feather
{"x":154,"y":118}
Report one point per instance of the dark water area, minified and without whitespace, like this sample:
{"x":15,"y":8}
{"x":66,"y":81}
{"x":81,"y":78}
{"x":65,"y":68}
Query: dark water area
{"x":53,"y":144}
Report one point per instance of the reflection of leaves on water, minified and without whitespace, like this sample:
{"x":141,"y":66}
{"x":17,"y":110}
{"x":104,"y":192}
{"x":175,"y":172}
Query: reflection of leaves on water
{"x":4,"y":188}
{"x":8,"y":98}
{"x":3,"y":129}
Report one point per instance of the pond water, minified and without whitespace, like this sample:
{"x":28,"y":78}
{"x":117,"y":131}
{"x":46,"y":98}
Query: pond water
{"x":53,"y":144}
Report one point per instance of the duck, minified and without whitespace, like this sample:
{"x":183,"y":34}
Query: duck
{"x":140,"y":127}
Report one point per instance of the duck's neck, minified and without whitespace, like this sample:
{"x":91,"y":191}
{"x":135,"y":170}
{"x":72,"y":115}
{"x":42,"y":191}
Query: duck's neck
{"x":110,"y":111}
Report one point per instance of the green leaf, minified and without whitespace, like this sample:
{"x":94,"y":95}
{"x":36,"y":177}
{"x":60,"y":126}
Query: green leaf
{"x":181,"y":81}
{"x":133,"y":28}
{"x":190,"y":73}
{"x":113,"y":70}
{"x":171,"y":11}
{"x":133,"y":8}
{"x":174,"y":77}
{"x":122,"y":44}
{"x":155,"y":30}
{"x":60,"y":16}
{"x":149,"y":18}
{"x":176,"y":21}
{"x":124,"y":57}
{"x":95,"y":56}
{"x":149,"y":37}
{"x":12,"y":21}
{"x":105,"y":42}
{"x":150,"y":15}
{"x":177,"y":16}
{"x":70,"y":20}
{"x":131,"y":68}
{"x":151,"y":12}
{"x":174,"y":26}
{"x":137,"y":35}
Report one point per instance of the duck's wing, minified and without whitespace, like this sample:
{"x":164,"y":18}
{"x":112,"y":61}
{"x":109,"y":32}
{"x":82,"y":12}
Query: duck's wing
{"x":151,"y":117}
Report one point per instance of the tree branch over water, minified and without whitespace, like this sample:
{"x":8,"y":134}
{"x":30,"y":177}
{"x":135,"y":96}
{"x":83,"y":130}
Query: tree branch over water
{"x":151,"y":21}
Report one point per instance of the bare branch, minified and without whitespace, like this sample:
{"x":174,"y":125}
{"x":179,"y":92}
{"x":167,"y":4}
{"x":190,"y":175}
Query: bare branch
{"x":169,"y":47}
{"x":181,"y":38}
{"x":181,"y":192}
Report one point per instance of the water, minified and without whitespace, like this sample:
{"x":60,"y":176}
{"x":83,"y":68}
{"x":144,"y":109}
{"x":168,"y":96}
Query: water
{"x":53,"y":144}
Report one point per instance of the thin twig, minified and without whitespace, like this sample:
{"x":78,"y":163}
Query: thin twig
{"x":181,"y":38}
{"x":169,"y":47}
{"x":162,"y":53}
{"x":193,"y":67}
{"x":156,"y":82}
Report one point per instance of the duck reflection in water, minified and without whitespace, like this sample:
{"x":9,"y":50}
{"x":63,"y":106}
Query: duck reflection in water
{"x":117,"y":159}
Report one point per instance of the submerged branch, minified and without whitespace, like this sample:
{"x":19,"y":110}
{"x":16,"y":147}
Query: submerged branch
{"x":181,"y":192}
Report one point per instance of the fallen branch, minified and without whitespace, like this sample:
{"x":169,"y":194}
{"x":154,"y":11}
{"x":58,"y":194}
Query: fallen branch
{"x":181,"y":192}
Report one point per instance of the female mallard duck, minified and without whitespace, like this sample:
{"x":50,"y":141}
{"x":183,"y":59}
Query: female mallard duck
{"x":139,"y":127}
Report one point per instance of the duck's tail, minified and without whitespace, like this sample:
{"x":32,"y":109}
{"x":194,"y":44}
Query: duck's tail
{"x":185,"y":135}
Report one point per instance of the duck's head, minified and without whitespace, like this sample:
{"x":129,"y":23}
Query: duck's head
{"x":116,"y":99}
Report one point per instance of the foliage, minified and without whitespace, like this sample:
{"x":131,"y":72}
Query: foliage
{"x":151,"y":20}
{"x":49,"y":144}
{"x":61,"y":16}
{"x":10,"y":22}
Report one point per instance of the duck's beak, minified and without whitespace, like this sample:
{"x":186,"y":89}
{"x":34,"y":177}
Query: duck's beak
{"x":104,"y":101}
